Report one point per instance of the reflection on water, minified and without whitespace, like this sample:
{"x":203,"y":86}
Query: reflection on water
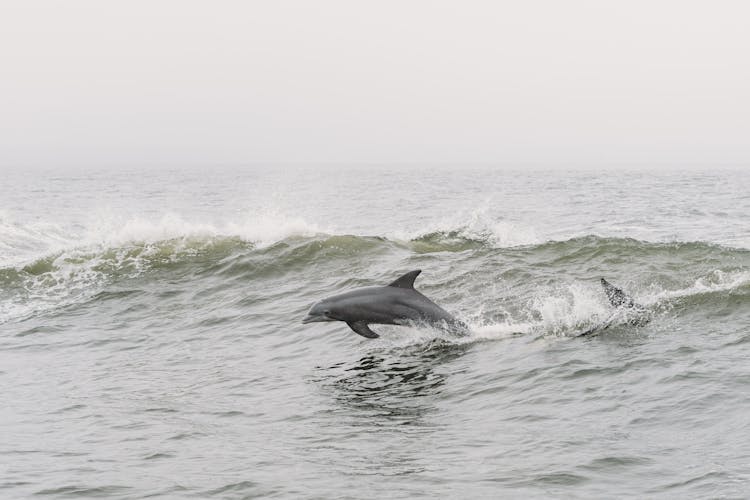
{"x":377,"y":414}
{"x":399,"y":385}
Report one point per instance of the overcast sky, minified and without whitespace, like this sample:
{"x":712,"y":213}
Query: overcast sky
{"x":549,"y":82}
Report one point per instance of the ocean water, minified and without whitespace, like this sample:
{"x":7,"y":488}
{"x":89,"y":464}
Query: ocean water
{"x":151,"y":344}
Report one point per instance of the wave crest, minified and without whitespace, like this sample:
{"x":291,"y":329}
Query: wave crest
{"x":45,"y":266}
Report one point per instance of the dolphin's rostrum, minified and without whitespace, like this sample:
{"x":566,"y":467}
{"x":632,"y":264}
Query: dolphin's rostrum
{"x":396,"y":304}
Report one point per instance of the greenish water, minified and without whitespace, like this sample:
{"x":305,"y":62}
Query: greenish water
{"x":151,"y":344}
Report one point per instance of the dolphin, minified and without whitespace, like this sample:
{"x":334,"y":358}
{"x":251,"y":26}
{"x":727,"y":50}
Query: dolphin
{"x":395,"y":304}
{"x":616,"y":296}
{"x":634,"y":313}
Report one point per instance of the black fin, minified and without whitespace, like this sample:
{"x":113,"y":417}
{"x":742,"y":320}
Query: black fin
{"x":407,"y":280}
{"x":361,"y":328}
{"x":616,"y":297}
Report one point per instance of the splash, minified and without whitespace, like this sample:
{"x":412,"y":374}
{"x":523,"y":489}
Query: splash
{"x":19,"y":242}
{"x":261,"y":229}
{"x":477,"y":225}
{"x":569,"y":309}
{"x":714,"y":282}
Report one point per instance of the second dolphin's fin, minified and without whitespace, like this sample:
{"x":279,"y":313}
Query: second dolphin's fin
{"x":362,"y":328}
{"x":616,"y":296}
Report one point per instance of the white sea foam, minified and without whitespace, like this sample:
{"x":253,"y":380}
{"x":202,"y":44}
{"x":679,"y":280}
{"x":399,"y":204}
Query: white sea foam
{"x":494,"y":331}
{"x":716,"y":281}
{"x":21,"y":244}
{"x":570,"y":308}
{"x":476,"y":224}
{"x":260,"y":228}
{"x":81,"y":259}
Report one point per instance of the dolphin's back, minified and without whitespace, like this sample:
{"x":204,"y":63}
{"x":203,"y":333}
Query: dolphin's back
{"x":390,"y":305}
{"x":420,"y":309}
{"x":427,"y":309}
{"x":400,"y":303}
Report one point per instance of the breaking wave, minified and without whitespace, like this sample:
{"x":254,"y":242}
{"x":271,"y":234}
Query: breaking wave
{"x":45,"y":267}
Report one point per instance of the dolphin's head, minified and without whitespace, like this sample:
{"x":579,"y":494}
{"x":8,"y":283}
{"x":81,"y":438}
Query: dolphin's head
{"x":320,"y":311}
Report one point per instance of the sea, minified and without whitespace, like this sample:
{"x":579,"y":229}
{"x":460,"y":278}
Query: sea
{"x":151,"y":343}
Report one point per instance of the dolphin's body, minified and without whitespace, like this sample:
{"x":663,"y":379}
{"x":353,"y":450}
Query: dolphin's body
{"x":396,"y":304}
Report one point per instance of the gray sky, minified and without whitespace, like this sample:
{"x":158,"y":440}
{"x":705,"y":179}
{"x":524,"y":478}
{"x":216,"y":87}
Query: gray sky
{"x":550,"y":82}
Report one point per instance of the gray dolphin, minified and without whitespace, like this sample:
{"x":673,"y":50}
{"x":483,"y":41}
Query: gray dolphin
{"x":638,"y":314}
{"x":396,"y":304}
{"x":616,"y":296}
{"x":635,"y":313}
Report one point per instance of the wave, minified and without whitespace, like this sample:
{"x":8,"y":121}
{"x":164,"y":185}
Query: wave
{"x":128,"y":257}
{"x":44,"y":266}
{"x":475,"y":227}
{"x":22,"y":243}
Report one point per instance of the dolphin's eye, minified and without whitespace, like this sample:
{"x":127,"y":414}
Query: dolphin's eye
{"x":327,"y":312}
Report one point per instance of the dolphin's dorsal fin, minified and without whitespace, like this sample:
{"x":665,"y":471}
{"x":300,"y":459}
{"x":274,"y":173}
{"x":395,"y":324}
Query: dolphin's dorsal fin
{"x":616,"y":296}
{"x":407,"y":280}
